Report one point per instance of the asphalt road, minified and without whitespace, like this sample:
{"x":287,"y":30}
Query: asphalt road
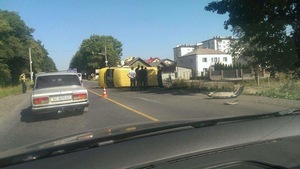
{"x":122,"y":106}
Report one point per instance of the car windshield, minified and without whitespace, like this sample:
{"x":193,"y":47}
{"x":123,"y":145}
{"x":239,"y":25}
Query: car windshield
{"x":56,"y":81}
{"x":76,"y":66}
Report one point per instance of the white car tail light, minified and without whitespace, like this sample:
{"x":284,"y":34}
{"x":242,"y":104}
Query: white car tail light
{"x":79,"y":96}
{"x":40,"y":100}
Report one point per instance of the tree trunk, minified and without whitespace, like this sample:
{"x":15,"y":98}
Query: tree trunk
{"x":257,"y":75}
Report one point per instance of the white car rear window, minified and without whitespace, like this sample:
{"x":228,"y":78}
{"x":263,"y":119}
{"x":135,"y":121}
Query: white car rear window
{"x":56,"y":81}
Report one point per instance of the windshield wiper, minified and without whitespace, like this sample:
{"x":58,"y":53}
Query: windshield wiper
{"x":289,"y":112}
{"x":211,"y":122}
{"x":258,"y":116}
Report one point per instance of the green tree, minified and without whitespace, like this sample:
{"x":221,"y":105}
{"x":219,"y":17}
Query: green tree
{"x":41,"y":62}
{"x":91,"y":54}
{"x":269,"y":30}
{"x":49,"y":65}
{"x":14,"y":38}
{"x":15,"y":41}
{"x":5,"y":75}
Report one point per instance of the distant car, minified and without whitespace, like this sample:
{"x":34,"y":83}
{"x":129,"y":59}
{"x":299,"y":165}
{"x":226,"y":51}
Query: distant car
{"x":58,"y":92}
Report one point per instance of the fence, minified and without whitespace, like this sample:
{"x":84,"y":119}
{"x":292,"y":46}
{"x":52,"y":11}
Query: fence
{"x":236,"y":74}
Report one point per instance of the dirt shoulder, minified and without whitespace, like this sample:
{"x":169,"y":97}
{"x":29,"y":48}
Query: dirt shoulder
{"x":289,"y":104}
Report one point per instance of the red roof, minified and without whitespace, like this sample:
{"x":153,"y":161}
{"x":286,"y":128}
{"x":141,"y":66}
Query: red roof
{"x":151,"y":60}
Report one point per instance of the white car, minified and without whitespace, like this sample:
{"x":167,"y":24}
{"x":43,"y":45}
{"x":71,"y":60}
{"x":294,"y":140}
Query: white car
{"x":58,"y":92}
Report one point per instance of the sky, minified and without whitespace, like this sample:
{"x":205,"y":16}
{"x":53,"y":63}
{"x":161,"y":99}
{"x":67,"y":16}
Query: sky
{"x":146,"y":28}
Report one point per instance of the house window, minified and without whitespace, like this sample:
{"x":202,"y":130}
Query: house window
{"x":224,"y":59}
{"x":212,"y":60}
{"x":215,"y":59}
{"x":204,"y":59}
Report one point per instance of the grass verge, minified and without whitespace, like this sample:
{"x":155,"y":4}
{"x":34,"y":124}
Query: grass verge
{"x":272,"y":87}
{"x":12,"y":90}
{"x":286,"y":91}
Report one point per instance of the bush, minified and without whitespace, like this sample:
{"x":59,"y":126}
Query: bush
{"x":179,"y":84}
{"x":286,"y":91}
{"x":202,"y":86}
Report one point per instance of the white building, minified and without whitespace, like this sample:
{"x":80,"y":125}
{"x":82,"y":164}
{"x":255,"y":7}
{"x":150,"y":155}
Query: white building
{"x":200,"y":60}
{"x":181,"y":50}
{"x":219,"y":43}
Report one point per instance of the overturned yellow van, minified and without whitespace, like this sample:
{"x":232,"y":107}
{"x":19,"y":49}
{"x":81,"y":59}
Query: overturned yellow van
{"x":117,"y":77}
{"x":101,"y":79}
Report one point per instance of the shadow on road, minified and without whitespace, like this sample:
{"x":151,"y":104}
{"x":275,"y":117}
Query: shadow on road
{"x":28,"y":117}
{"x":161,"y":91}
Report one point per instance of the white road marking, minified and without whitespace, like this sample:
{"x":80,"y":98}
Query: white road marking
{"x":154,"y":101}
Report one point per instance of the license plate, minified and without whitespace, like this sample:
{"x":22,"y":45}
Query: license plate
{"x":61,"y":98}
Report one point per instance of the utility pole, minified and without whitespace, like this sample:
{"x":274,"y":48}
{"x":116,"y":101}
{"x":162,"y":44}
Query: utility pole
{"x":30,"y":66}
{"x":105,"y":54}
{"x":106,"y":62}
